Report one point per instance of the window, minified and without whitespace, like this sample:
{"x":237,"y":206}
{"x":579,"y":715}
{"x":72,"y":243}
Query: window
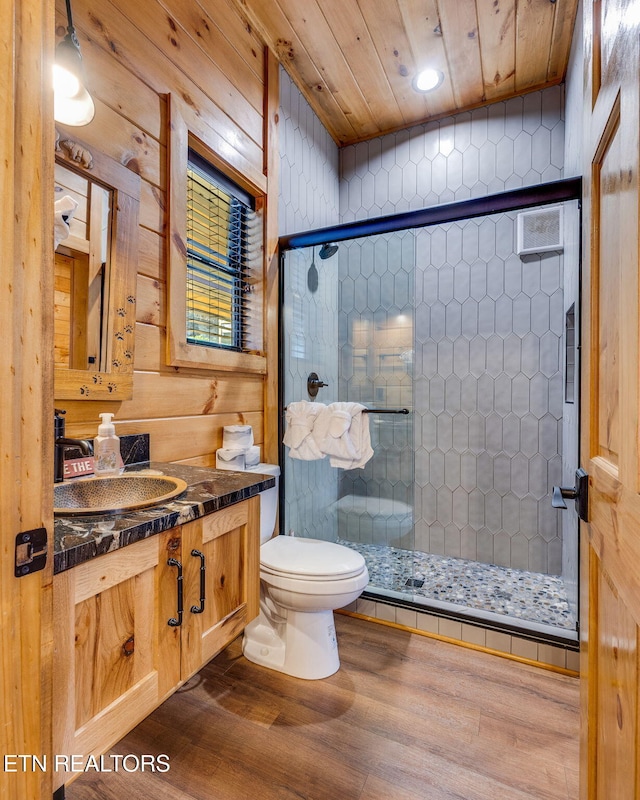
{"x":216,"y":272}
{"x":220,"y":218}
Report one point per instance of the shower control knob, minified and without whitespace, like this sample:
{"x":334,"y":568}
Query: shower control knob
{"x":314,"y":383}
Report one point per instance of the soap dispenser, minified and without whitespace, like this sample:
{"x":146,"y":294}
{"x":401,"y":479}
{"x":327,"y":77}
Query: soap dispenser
{"x":106,"y":448}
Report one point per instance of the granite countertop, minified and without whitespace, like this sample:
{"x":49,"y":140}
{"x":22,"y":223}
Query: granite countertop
{"x":79,"y":539}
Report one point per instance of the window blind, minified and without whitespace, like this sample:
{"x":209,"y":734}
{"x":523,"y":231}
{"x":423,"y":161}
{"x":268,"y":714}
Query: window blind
{"x":221,"y":223}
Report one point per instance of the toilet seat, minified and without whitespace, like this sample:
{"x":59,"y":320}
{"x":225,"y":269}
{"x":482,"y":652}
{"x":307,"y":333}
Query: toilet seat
{"x":309,"y":559}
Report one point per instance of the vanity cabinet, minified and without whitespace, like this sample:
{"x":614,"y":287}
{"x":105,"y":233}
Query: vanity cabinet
{"x":124,"y":642}
{"x":221,"y":553}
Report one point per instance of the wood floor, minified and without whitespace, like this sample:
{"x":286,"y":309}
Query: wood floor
{"x":405,"y":717}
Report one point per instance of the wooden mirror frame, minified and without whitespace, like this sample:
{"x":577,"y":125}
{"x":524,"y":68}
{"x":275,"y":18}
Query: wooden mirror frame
{"x":116,"y":382}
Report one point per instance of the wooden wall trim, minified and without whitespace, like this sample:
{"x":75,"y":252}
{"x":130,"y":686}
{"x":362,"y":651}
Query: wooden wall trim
{"x":272,"y":262}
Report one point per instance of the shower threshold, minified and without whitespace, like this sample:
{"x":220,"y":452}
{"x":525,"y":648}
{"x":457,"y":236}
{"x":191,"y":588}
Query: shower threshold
{"x":484,"y":591}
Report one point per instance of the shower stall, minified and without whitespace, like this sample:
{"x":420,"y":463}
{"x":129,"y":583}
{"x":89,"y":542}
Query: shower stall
{"x":456,"y":327}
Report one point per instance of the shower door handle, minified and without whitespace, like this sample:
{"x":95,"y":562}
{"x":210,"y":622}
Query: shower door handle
{"x":579,"y":493}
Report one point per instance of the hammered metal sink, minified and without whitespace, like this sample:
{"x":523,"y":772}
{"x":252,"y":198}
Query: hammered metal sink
{"x":114,"y":494}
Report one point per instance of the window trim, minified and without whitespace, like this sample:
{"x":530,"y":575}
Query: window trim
{"x":179,"y":352}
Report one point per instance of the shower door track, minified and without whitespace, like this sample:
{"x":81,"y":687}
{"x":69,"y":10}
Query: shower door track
{"x":557,"y":637}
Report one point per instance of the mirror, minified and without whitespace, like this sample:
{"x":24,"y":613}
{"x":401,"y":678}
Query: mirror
{"x":95,"y":275}
{"x":82,"y":273}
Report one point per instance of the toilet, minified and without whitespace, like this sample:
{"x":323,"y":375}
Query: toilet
{"x":302,"y":581}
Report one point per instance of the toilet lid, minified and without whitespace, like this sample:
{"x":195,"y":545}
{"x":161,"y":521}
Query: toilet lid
{"x":313,"y":558}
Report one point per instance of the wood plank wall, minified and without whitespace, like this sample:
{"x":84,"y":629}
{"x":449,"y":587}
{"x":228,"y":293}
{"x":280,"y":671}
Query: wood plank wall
{"x":208,"y":56}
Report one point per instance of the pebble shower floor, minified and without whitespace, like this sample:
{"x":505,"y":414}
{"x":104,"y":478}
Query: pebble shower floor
{"x":515,"y":593}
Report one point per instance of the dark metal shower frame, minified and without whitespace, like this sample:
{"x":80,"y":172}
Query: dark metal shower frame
{"x":513,"y":200}
{"x":542,"y":194}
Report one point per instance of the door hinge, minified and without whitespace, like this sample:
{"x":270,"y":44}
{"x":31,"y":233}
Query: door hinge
{"x":31,"y":551}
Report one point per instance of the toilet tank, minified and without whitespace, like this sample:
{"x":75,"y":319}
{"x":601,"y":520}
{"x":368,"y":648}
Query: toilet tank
{"x":268,"y":501}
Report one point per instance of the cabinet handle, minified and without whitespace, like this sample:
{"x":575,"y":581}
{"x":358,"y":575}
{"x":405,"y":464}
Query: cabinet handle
{"x":173,"y":562}
{"x":199,"y":609}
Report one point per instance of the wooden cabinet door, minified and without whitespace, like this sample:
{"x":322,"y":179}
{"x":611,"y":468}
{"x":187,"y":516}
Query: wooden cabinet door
{"x":115,"y":656}
{"x":610,"y":558}
{"x":227,"y":544}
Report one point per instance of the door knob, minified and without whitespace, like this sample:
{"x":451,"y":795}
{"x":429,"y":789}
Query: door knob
{"x":579,"y":493}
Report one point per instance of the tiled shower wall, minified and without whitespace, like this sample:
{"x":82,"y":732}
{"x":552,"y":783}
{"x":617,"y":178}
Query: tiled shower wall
{"x":506,"y":145}
{"x":308,"y":199}
{"x":486,"y":453}
{"x":309,"y":165}
{"x":488,"y":396}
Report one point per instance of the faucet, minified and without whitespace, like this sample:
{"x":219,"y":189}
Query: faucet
{"x":62,"y":443}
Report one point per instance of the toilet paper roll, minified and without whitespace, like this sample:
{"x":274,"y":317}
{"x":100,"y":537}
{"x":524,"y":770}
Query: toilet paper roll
{"x":237,"y":437}
{"x":230,"y":459}
{"x":252,"y":456}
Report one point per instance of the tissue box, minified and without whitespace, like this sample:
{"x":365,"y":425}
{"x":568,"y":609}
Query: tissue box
{"x":230,"y":459}
{"x":237,"y":437}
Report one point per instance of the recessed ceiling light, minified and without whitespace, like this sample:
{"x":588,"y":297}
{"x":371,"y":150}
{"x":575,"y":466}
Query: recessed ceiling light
{"x":428,"y":80}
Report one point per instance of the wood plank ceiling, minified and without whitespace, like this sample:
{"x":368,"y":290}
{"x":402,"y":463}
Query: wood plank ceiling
{"x":354,"y":60}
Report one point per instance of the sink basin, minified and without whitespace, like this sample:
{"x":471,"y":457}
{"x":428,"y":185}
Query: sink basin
{"x":114,"y":494}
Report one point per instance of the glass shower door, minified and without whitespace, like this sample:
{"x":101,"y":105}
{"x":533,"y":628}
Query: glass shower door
{"x":376,"y":362}
{"x":309,"y":344}
{"x":349,"y":319}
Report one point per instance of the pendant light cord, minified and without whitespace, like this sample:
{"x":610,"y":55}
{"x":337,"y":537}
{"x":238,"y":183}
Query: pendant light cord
{"x":71,"y":31}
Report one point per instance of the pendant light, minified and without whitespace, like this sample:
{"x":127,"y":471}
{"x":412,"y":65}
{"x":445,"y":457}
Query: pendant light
{"x":72,"y":103}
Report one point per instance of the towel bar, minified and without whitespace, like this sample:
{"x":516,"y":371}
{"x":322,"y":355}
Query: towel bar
{"x":385,"y":411}
{"x":380,"y":410}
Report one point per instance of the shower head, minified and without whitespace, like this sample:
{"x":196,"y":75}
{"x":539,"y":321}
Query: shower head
{"x":327,"y":250}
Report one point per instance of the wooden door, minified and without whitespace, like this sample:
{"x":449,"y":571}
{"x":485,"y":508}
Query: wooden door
{"x":229,"y":542}
{"x":610,"y":552}
{"x":26,"y":405}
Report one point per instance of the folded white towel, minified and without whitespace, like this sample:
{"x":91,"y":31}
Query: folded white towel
{"x":300,"y":419}
{"x":341,"y":431}
{"x":63,"y":211}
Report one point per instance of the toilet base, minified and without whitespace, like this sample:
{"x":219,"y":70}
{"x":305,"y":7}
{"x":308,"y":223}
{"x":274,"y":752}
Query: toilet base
{"x":303,"y":645}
